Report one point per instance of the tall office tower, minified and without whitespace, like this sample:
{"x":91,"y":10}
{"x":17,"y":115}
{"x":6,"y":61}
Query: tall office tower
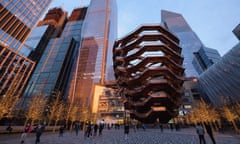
{"x":189,"y":41}
{"x":95,"y":54}
{"x":17,"y":19}
{"x":54,"y":69}
{"x":221,"y":81}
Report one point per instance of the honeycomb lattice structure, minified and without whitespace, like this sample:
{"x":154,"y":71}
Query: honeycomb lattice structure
{"x":148,"y":69}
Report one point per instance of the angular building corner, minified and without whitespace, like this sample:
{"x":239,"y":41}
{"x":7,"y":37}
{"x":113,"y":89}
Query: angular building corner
{"x":221,"y":82}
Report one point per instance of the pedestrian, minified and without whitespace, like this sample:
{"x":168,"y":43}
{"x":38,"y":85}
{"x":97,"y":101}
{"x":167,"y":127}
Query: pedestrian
{"x":61,"y":130}
{"x":144,"y":127}
{"x":26,"y":130}
{"x":126,"y":130}
{"x":88,"y":132}
{"x":9,"y":129}
{"x":200,"y":132}
{"x":161,"y":127}
{"x":76,"y":128}
{"x":210,"y":132}
{"x":39,"y":129}
{"x":95,"y":129}
{"x":101,"y":127}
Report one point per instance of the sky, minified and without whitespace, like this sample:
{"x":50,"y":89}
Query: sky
{"x":212,"y":20}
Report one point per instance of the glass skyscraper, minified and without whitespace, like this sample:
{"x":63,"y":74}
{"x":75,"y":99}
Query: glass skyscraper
{"x":17,"y":19}
{"x":94,"y":64}
{"x":189,"y":41}
{"x":53,"y":71}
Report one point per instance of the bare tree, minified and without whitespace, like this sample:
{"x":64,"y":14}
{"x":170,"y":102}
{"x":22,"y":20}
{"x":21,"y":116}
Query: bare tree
{"x":230,"y":116}
{"x":36,"y":108}
{"x":203,"y":112}
{"x":54,"y":108}
{"x":8,"y":102}
{"x":59,"y":114}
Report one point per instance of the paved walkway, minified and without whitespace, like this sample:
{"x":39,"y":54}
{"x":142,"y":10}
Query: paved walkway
{"x":150,"y":136}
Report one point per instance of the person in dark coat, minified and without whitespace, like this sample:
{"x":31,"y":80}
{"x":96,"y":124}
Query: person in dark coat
{"x":200,"y":132}
{"x":61,"y":130}
{"x":126,"y":130}
{"x":95,"y":129}
{"x":76,"y":128}
{"x":39,"y":129}
{"x":210,"y":132}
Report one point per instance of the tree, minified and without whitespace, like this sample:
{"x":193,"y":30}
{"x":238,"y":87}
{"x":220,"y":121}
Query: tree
{"x":203,"y":112}
{"x":54,"y":108}
{"x":59,"y":113}
{"x":8,"y":102}
{"x":36,"y":108}
{"x":230,"y":116}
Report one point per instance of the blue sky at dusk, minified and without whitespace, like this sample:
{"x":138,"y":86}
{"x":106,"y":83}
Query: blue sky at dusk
{"x":212,"y":20}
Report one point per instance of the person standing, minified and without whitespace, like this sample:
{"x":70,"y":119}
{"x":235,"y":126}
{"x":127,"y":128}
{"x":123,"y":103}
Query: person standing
{"x":76,"y":128}
{"x":102,"y":123}
{"x":210,"y":132}
{"x":126,"y":130}
{"x":95,"y":129}
{"x":88,"y":131}
{"x":61,"y":130}
{"x":200,"y":132}
{"x":39,"y":130}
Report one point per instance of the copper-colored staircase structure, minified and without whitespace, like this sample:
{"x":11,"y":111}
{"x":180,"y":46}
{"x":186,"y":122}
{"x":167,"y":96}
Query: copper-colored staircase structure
{"x":148,"y":69}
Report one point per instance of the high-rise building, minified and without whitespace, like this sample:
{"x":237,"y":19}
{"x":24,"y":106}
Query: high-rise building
{"x":189,"y":41}
{"x":56,"y":65}
{"x":17,"y":19}
{"x":221,"y":82}
{"x":197,"y":57}
{"x":94,"y":64}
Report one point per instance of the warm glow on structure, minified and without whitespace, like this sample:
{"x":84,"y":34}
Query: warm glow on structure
{"x":97,"y":92}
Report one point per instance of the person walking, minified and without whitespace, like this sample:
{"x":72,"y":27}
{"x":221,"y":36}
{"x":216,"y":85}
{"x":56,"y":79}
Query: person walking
{"x":76,"y":128}
{"x":210,"y":132}
{"x":200,"y":132}
{"x":102,"y":123}
{"x":88,"y":132}
{"x":39,"y":130}
{"x":95,"y":129}
{"x":126,"y":130}
{"x":26,"y":130}
{"x":61,"y":130}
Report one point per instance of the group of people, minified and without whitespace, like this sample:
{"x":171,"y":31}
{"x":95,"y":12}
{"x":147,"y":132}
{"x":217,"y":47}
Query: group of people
{"x":200,"y":131}
{"x":93,"y":129}
{"x":28,"y":128}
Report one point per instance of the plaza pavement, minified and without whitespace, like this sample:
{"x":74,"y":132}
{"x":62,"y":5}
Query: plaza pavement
{"x":150,"y":136}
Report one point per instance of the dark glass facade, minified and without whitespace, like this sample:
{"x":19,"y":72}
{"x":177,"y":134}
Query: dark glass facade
{"x":17,"y":19}
{"x":189,"y":41}
{"x":205,"y":58}
{"x":57,"y":63}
